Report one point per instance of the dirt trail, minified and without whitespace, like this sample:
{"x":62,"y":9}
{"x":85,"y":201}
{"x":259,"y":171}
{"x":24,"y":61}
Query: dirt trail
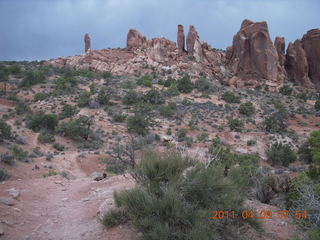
{"x":60,"y":209}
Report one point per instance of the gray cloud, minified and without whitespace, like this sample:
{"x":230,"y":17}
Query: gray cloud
{"x":42,"y":29}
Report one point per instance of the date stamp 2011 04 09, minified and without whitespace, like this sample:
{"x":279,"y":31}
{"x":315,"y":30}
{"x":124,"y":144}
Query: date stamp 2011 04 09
{"x":263,"y":214}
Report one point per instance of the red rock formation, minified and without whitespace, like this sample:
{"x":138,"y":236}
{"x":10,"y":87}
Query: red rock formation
{"x":191,"y":39}
{"x":311,"y":46}
{"x":160,"y":48}
{"x":135,"y":40}
{"x":87,"y":42}
{"x":180,"y":38}
{"x":280,"y":45}
{"x":296,"y":64}
{"x":253,"y":54}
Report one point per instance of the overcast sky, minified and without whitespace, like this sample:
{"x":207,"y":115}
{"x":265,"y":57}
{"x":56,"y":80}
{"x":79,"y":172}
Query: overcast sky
{"x":43,"y":29}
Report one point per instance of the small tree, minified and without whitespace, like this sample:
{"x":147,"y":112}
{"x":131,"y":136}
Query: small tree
{"x":247,"y":109}
{"x":5,"y":130}
{"x":139,"y":124}
{"x":280,"y":154}
{"x":185,"y":85}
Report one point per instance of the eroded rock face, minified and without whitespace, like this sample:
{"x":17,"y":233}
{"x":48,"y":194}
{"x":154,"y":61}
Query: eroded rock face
{"x":280,"y":45}
{"x":253,"y":54}
{"x":87,"y":42}
{"x":180,"y":39}
{"x":296,"y":64}
{"x":160,"y":48}
{"x":191,"y":39}
{"x":311,"y":46}
{"x":135,"y":40}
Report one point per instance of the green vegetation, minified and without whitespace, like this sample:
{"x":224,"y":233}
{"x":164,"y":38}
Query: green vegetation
{"x":145,"y":81}
{"x":309,"y":152}
{"x":66,"y":84}
{"x":175,"y":196}
{"x":317,"y":105}
{"x":280,"y":154}
{"x":22,"y":108}
{"x":139,"y":124}
{"x":182,"y":134}
{"x":276,"y":123}
{"x":83,"y":99}
{"x":46,"y":137}
{"x":185,"y":85}
{"x":203,"y":85}
{"x":286,"y":90}
{"x":3,"y":174}
{"x":40,"y":120}
{"x":235,"y":124}
{"x":104,"y":96}
{"x":76,"y":129}
{"x":230,"y":97}
{"x":131,"y":97}
{"x":153,"y":96}
{"x":19,"y":154}
{"x":247,"y":109}
{"x":67,"y":111}
{"x":5,"y":130}
{"x":41,"y":96}
{"x":168,"y":110}
{"x":169,"y":82}
{"x":106,"y":75}
{"x":32,"y":78}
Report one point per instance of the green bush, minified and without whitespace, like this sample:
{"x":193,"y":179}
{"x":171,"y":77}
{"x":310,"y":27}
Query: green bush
{"x":174,"y":196}
{"x":106,"y":75}
{"x":76,"y":129}
{"x":114,"y":217}
{"x":83,"y":99}
{"x":203,"y":85}
{"x":247,"y":109}
{"x":276,"y":123}
{"x":230,"y":97}
{"x":68,"y":111}
{"x":46,"y":137}
{"x":131,"y":97}
{"x":181,"y":134}
{"x":22,"y":108}
{"x":235,"y":124}
{"x":172,"y":91}
{"x":317,"y":105}
{"x":168,"y":110}
{"x":40,"y":96}
{"x":66,"y":84}
{"x":309,"y":152}
{"x":5,"y":130}
{"x":145,"y":81}
{"x":33,"y":78}
{"x":6,"y":158}
{"x":202,"y":137}
{"x":139,"y":124}
{"x":19,"y":154}
{"x":104,"y":97}
{"x":185,"y":85}
{"x":153,"y":97}
{"x":170,"y":81}
{"x":280,"y":154}
{"x":3,"y":174}
{"x":115,"y":166}
{"x":119,"y":117}
{"x":41,"y":120}
{"x":286,"y":90}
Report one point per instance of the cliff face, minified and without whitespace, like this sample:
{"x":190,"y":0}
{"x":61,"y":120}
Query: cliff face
{"x":251,"y":60}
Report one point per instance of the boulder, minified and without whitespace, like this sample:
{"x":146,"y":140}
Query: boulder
{"x":296,"y":64}
{"x":98,"y":176}
{"x":135,"y":40}
{"x":311,"y":46}
{"x":180,"y":39}
{"x":253,"y":54}
{"x":87,"y":43}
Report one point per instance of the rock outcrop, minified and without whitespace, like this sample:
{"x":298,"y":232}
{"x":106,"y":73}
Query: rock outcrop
{"x":180,"y":39}
{"x":191,"y":39}
{"x":135,"y":40}
{"x":87,"y":43}
{"x":296,"y":64}
{"x":280,"y":46}
{"x":160,"y":48}
{"x":253,"y":54}
{"x":311,"y":46}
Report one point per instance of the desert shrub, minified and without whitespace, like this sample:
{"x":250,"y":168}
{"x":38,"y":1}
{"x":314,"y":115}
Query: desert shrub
{"x":276,"y":122}
{"x":168,"y":110}
{"x":104,"y":96}
{"x":247,"y":109}
{"x":46,"y":137}
{"x":172,"y":91}
{"x":5,"y":130}
{"x":202,"y":137}
{"x":153,"y":97}
{"x":6,"y":158}
{"x":131,"y":97}
{"x":185,"y":85}
{"x":40,"y":96}
{"x":19,"y":154}
{"x":181,"y":134}
{"x":41,"y":120}
{"x":139,"y":124}
{"x":32,"y":78}
{"x":119,"y":117}
{"x":143,"y":108}
{"x":203,"y":85}
{"x":4,"y":175}
{"x":235,"y":124}
{"x":83,"y":99}
{"x":66,"y":84}
{"x":76,"y":129}
{"x":114,"y":217}
{"x":286,"y":90}
{"x":67,"y":111}
{"x":145,"y":81}
{"x":317,"y":105}
{"x":230,"y":97}
{"x":22,"y":108}
{"x":280,"y":154}
{"x":58,"y":147}
{"x":303,"y":96}
{"x":172,"y":199}
{"x":84,"y":73}
{"x":115,"y":166}
{"x":169,"y":82}
{"x":309,"y":152}
{"x":251,"y":142}
{"x":106,"y":75}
